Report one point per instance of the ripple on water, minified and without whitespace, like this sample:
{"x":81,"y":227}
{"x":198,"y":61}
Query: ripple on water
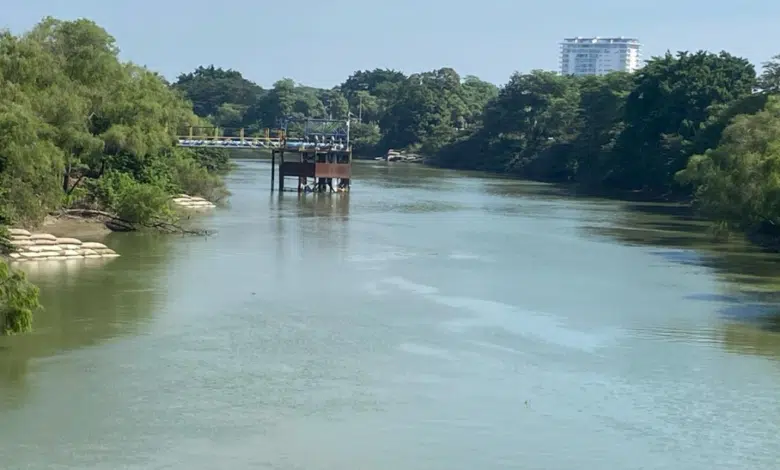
{"x":423,"y":350}
{"x":380,"y":257}
{"x":491,"y":314}
{"x":462,"y":256}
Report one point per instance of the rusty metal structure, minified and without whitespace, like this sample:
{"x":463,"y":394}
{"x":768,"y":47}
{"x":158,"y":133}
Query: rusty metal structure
{"x":305,"y":148}
{"x":320,"y":151}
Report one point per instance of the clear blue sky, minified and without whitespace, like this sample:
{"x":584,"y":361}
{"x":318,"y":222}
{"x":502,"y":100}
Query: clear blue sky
{"x":320,"y":42}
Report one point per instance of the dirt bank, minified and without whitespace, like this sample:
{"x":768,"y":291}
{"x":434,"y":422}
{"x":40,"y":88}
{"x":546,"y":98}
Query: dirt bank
{"x":88,"y":229}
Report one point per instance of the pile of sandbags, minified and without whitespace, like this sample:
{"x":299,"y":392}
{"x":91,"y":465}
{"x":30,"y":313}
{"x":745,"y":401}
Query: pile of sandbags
{"x":192,"y":202}
{"x":44,"y":246}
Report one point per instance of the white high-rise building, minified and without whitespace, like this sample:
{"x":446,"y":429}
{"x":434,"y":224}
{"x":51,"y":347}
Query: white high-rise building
{"x":599,"y":56}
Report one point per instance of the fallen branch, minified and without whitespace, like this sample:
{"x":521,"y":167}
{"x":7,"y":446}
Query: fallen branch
{"x":119,"y":224}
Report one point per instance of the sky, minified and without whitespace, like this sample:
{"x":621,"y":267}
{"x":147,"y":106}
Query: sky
{"x":321,"y":42}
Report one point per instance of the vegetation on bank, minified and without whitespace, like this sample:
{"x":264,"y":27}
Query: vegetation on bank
{"x":18,"y":297}
{"x":80,"y":129}
{"x":688,"y":125}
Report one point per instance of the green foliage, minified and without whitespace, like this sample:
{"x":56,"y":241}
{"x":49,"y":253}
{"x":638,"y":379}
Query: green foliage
{"x":738,"y":182}
{"x":71,"y":113}
{"x":388,"y":109}
{"x":671,"y":100}
{"x":212,"y":88}
{"x":188,"y":175}
{"x":130,"y":199}
{"x":215,"y":160}
{"x":770,"y":79}
{"x":18,"y":301}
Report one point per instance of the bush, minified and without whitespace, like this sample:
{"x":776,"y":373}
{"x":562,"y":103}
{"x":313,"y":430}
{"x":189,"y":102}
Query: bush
{"x":131,"y":200}
{"x":18,"y":300}
{"x":188,"y":176}
{"x":214,"y":160}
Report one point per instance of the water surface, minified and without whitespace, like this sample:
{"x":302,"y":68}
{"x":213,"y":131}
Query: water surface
{"x":427,"y":320}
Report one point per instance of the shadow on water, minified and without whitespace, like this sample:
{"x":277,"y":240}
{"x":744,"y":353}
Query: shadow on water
{"x":750,"y":303}
{"x":678,"y":236}
{"x":85,"y":303}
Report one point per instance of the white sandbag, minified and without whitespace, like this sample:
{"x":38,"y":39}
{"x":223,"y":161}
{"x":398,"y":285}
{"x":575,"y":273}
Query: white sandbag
{"x":54,"y":248}
{"x":21,"y":243}
{"x":103,"y":251}
{"x":70,"y":253}
{"x":57,"y":258}
{"x":69,"y":241}
{"x":43,"y":236}
{"x":110,"y":255}
{"x":18,"y":232}
{"x":30,"y":254}
{"x":93,"y":245}
{"x":87,"y":252}
{"x":70,"y":247}
{"x":15,"y":255}
{"x":20,"y":237}
{"x":44,"y":241}
{"x":93,"y":256}
{"x":32,"y":248}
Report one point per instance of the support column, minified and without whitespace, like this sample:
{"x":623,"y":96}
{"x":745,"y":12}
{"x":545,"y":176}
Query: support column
{"x":281,"y":171}
{"x":273,"y":168}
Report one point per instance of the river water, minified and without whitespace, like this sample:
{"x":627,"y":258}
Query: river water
{"x":427,"y":320}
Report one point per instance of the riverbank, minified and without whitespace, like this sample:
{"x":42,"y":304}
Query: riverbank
{"x":89,"y":228}
{"x":42,"y":246}
{"x":64,"y":234}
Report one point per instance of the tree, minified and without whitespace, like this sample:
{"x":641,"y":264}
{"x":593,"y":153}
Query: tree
{"x":18,"y":301}
{"x":336,"y":105}
{"x":72,"y":112}
{"x":738,"y":183}
{"x":670,"y":101}
{"x":769,"y":81}
{"x":211,"y":87}
{"x":601,"y":108}
{"x":18,"y":297}
{"x":524,"y":129}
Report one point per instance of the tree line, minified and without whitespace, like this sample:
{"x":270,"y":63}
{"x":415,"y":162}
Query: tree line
{"x":695,"y":125}
{"x":80,"y":129}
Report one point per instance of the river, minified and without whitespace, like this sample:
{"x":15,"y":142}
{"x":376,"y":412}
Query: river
{"x":428,"y":320}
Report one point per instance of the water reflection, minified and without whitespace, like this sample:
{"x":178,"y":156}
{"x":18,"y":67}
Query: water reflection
{"x":688,"y":240}
{"x":317,"y":205}
{"x":113,"y":297}
{"x":745,"y":339}
{"x":372,"y":175}
{"x":497,"y":186}
{"x":311,"y":225}
{"x":750,"y":301}
{"x":748,"y":297}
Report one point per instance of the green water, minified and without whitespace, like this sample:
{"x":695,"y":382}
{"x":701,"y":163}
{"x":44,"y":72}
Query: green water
{"x":427,"y":320}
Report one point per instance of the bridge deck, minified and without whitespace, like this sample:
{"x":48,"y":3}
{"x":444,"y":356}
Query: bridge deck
{"x":235,"y":142}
